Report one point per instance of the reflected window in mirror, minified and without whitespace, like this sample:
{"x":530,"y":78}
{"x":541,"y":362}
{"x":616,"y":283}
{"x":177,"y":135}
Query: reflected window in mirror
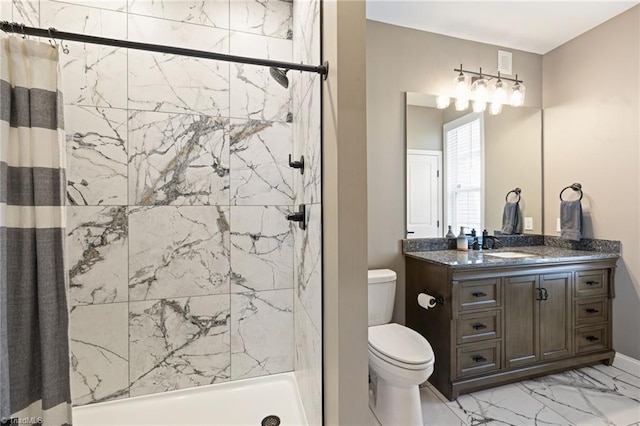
{"x":463,"y":153}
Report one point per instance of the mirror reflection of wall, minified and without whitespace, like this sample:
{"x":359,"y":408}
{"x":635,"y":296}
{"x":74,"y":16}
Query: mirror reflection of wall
{"x":461,"y":165}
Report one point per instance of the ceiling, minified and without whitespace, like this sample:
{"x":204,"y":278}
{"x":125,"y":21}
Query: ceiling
{"x":532,"y":26}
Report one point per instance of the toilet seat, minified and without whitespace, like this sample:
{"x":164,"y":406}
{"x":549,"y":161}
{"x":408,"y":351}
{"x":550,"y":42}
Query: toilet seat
{"x":400,"y":346}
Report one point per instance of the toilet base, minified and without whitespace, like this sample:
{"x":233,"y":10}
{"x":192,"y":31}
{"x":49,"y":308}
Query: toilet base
{"x":396,"y":405}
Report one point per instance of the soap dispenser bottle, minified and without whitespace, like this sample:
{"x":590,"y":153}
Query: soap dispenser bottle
{"x":450,"y":233}
{"x":461,"y":241}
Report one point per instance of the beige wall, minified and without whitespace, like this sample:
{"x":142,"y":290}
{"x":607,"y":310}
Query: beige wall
{"x":344,"y":200}
{"x":400,"y":60}
{"x":424,"y":128}
{"x":591,"y":136}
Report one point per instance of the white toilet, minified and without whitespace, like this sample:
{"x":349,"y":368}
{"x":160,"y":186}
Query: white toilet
{"x":400,"y":359}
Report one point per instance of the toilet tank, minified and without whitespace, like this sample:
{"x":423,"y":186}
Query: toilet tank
{"x":382,"y":292}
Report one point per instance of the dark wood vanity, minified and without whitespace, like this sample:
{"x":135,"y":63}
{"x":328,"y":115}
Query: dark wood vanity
{"x":509,"y":320}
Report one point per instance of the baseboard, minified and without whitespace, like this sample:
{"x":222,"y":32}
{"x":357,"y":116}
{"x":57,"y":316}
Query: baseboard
{"x":627,"y":364}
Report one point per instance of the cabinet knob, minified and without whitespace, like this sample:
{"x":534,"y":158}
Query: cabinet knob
{"x":479,"y":326}
{"x":478,"y":294}
{"x":592,"y":311}
{"x":478,"y":358}
{"x":592,"y":338}
{"x":592,"y":282}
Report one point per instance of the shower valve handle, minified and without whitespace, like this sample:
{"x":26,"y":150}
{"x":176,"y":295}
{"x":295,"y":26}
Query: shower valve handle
{"x":300,"y":216}
{"x":297,"y":164}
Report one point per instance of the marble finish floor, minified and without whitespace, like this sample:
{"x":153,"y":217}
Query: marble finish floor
{"x":598,"y":395}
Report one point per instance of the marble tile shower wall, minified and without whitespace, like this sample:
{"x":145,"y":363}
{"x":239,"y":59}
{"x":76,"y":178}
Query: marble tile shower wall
{"x":182,"y":265}
{"x":308,"y":244}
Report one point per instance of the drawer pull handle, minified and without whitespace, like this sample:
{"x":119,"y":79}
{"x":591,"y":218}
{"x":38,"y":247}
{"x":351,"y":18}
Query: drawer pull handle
{"x":478,"y":294}
{"x":479,"y":326}
{"x":592,"y":338}
{"x":478,"y":358}
{"x":592,"y":311}
{"x":592,"y":282}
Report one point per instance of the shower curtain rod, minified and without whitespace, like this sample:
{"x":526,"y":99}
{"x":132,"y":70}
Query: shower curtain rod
{"x":52,"y":33}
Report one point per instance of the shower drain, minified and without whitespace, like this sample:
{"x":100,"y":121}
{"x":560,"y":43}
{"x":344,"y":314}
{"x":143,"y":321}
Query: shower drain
{"x":271,"y":421}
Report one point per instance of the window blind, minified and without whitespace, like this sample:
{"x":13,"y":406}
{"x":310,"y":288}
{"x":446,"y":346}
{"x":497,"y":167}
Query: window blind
{"x":463,"y":152}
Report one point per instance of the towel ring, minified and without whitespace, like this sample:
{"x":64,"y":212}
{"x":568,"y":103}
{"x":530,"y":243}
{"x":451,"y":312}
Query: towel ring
{"x":576,"y":187}
{"x":516,"y":191}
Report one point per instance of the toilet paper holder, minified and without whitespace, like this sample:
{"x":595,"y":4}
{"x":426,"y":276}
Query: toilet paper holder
{"x":439,"y":299}
{"x":430,"y":301}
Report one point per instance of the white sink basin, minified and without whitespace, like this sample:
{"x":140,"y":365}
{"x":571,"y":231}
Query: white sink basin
{"x":509,"y":254}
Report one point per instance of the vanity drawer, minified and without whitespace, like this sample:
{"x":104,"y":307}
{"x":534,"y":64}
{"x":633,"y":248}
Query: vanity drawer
{"x":592,"y":283}
{"x":479,"y":326}
{"x":479,"y":294}
{"x":591,"y":311}
{"x":592,"y":338}
{"x":478,"y":358}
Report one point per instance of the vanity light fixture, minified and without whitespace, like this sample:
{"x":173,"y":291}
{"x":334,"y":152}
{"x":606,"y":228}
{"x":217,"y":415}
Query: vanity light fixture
{"x":461,"y":83}
{"x":480,"y":88}
{"x":481,"y":92}
{"x":442,"y":102}
{"x":462,"y":104}
{"x":495,"y":108}
{"x":500,"y":91}
{"x":500,"y":96}
{"x":517,"y":96}
{"x":479,"y":106}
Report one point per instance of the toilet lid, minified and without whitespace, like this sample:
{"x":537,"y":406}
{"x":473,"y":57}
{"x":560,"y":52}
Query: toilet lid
{"x":400,"y":343}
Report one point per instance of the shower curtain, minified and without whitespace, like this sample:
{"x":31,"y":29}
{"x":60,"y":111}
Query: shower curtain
{"x":34,"y":347}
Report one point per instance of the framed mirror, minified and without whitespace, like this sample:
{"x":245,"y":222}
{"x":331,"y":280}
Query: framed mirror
{"x":462,"y":167}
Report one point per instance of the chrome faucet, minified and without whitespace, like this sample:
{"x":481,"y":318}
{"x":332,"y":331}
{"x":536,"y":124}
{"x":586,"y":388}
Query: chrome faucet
{"x":495,"y":242}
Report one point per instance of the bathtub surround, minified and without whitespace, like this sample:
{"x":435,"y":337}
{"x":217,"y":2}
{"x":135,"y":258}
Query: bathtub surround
{"x":178,"y":343}
{"x":97,"y":247}
{"x":170,"y":242}
{"x":34,"y":320}
{"x":180,"y":188}
{"x":178,"y":159}
{"x":307,"y":259}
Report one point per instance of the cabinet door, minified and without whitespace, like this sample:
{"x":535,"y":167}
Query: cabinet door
{"x":555,"y":316}
{"x":521,"y":320}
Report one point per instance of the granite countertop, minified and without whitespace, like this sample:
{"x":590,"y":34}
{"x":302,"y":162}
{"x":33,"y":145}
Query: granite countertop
{"x":482,"y":259}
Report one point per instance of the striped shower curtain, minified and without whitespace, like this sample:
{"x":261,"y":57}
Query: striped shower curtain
{"x":34,"y":348}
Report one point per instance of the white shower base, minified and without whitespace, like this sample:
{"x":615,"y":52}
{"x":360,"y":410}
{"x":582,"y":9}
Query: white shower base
{"x":241,"y":403}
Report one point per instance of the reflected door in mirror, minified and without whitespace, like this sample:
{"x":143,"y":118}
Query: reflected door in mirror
{"x":423,"y":194}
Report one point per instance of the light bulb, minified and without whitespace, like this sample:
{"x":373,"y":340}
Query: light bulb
{"x":500,"y":92}
{"x":442,"y":102}
{"x":517,"y":96}
{"x":461,"y":90}
{"x":480,"y":89}
{"x":495,"y":108}
{"x":479,"y":106}
{"x":462,"y":104}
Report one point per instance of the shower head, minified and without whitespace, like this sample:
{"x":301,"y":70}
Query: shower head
{"x":280,"y":75}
